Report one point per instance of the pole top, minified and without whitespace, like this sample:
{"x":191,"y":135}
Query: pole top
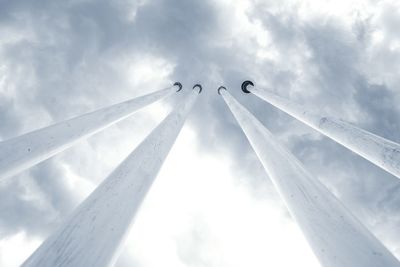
{"x":178,"y":84}
{"x":199,"y":86}
{"x":245,"y":84}
{"x":221,"y":88}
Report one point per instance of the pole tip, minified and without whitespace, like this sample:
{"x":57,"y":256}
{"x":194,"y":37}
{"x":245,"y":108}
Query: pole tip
{"x":245,"y":84}
{"x":198,"y":85}
{"x":179,"y":85}
{"x":221,"y":88}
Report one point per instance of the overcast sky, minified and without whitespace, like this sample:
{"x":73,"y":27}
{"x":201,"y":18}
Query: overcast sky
{"x":212,"y":204}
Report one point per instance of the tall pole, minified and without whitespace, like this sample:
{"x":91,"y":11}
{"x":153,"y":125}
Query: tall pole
{"x":337,"y":238}
{"x":378,"y":150}
{"x":95,"y":231}
{"x":22,"y":152}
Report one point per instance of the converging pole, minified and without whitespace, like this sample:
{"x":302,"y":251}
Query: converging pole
{"x":95,"y":231}
{"x":337,"y":238}
{"x":380,"y":151}
{"x":22,"y":152}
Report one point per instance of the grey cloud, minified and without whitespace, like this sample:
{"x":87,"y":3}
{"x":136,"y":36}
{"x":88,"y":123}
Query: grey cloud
{"x":64,"y":67}
{"x":8,"y":118}
{"x":36,"y":201}
{"x":381,"y":106}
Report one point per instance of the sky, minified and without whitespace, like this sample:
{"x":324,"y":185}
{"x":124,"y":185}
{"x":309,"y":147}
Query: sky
{"x":212,"y":203}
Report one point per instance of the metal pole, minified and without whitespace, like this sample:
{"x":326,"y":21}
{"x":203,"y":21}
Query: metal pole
{"x":378,"y":150}
{"x":94,"y":233}
{"x":337,"y":238}
{"x":22,"y":152}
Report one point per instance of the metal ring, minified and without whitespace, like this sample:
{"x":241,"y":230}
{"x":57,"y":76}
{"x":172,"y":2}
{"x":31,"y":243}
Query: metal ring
{"x":245,"y":84}
{"x":220,"y":88}
{"x":198,"y":85}
{"x":178,"y":84}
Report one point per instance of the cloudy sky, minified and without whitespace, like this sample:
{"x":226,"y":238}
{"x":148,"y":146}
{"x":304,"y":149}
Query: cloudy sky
{"x":212,"y":204}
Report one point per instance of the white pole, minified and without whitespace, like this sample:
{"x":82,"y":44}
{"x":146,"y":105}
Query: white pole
{"x":95,"y":231}
{"x":22,"y":152}
{"x":380,"y":151}
{"x":337,"y":238}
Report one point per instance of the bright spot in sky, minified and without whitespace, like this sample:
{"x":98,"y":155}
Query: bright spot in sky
{"x":15,"y":249}
{"x":196,"y":212}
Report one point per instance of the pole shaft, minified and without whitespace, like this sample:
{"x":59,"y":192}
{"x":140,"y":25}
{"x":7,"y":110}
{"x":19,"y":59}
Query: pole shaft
{"x":378,"y":150}
{"x":27,"y":150}
{"x":95,"y":231}
{"x":337,"y":238}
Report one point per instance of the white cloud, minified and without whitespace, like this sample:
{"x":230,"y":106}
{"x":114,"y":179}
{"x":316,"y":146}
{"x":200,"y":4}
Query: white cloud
{"x":197,"y":215}
{"x":211,"y":204}
{"x":13,"y":250}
